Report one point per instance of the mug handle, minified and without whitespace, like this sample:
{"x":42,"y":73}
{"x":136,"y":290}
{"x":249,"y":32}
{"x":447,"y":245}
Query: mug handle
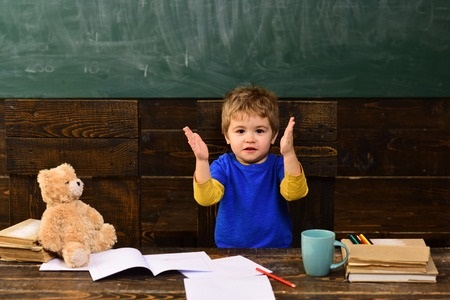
{"x":337,"y":265}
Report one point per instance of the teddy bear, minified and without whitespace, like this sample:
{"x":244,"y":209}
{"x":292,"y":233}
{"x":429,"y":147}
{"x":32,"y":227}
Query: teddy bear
{"x":69,"y":227}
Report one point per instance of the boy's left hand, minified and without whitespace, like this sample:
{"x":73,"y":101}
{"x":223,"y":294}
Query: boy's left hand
{"x":287,"y":140}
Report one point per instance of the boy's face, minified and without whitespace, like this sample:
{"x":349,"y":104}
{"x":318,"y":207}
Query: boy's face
{"x":250,"y":138}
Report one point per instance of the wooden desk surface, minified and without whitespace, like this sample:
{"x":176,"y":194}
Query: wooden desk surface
{"x":24,"y":281}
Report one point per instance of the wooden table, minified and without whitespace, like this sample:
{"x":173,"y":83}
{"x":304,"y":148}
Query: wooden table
{"x":24,"y":281}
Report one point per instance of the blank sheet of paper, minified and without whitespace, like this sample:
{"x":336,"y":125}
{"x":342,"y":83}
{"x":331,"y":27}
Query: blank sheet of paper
{"x":227,"y":288}
{"x":231,"y":266}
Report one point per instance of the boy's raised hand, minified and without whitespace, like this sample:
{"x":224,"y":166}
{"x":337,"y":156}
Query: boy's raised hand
{"x":197,"y":144}
{"x":287,"y":140}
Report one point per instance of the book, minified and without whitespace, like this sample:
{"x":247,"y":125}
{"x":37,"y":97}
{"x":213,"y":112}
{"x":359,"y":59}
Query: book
{"x":20,"y":243}
{"x":109,"y":262}
{"x":390,"y":260}
{"x":9,"y":252}
{"x":23,"y":233}
{"x":394,"y":276}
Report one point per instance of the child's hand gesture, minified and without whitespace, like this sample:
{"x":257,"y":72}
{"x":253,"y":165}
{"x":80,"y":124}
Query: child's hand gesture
{"x":287,"y":141}
{"x":291,"y":164}
{"x":197,"y":144}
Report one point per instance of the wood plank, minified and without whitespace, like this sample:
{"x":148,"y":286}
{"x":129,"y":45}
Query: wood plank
{"x":117,"y":199}
{"x":393,"y":137}
{"x":404,"y":144}
{"x":394,"y":152}
{"x":177,"y":226}
{"x":4,"y":202}
{"x":387,"y":114}
{"x":158,"y":191}
{"x":318,"y":159}
{"x":169,"y":211}
{"x":165,"y":153}
{"x":394,"y":207}
{"x":89,"y":157}
{"x":25,"y":198}
{"x":2,"y":114}
{"x":2,"y":140}
{"x":3,"y":157}
{"x":44,"y":118}
{"x":158,"y":114}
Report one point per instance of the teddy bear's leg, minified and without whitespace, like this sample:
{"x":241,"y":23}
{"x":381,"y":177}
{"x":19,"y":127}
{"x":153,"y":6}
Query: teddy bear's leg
{"x":75,"y":255}
{"x":106,"y":238}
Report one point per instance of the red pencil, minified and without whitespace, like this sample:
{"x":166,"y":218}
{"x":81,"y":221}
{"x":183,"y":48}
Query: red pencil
{"x":276,"y":277}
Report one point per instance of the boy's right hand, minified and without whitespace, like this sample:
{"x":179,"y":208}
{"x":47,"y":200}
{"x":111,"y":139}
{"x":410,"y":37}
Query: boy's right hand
{"x":197,"y":144}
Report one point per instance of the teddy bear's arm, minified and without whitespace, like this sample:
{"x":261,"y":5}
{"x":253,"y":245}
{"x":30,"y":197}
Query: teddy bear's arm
{"x":95,"y":217}
{"x":50,"y":239}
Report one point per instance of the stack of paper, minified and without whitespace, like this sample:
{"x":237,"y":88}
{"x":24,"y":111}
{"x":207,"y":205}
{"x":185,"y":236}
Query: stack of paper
{"x":20,"y":243}
{"x":390,"y":260}
{"x":233,"y":277}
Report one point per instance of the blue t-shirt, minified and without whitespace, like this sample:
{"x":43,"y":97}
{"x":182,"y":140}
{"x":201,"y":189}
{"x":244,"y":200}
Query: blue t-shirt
{"x":252,"y":212}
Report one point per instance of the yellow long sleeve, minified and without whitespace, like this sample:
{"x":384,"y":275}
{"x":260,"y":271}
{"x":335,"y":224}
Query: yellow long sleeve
{"x":208,"y":193}
{"x":294,"y":187}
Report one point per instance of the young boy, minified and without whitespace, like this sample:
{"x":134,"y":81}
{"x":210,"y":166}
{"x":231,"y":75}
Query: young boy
{"x":251,"y":184}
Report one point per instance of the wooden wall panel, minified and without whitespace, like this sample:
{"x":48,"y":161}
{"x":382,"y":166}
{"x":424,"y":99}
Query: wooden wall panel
{"x":166,"y":153}
{"x":394,"y":168}
{"x":94,"y":157}
{"x":168,"y":210}
{"x":394,"y":113}
{"x":168,"y":114}
{"x":4,"y":178}
{"x":164,"y":150}
{"x":117,"y":199}
{"x":394,"y":152}
{"x":25,"y":198}
{"x":100,"y":138}
{"x":4,"y":202}
{"x":2,"y":139}
{"x":394,"y":137}
{"x":394,"y":207}
{"x":72,"y":118}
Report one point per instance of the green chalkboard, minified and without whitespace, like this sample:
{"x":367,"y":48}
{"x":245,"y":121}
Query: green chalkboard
{"x":203,"y":48}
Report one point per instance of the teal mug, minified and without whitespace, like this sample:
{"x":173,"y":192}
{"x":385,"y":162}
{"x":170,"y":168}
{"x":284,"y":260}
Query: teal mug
{"x":318,"y":251}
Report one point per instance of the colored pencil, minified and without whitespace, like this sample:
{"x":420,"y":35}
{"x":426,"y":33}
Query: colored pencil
{"x":288,"y":283}
{"x":353,"y":239}
{"x":364,"y":239}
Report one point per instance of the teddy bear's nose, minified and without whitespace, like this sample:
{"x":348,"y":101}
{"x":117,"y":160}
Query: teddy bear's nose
{"x":78,"y":183}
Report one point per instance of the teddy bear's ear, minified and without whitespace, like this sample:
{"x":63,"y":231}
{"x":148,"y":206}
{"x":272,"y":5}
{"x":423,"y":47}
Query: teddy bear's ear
{"x":67,"y":168}
{"x":42,"y":176}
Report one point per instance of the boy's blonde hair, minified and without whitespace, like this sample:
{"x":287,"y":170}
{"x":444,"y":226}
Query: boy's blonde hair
{"x":249,"y":101}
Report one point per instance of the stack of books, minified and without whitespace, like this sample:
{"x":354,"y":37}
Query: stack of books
{"x":390,"y":260}
{"x":20,"y":243}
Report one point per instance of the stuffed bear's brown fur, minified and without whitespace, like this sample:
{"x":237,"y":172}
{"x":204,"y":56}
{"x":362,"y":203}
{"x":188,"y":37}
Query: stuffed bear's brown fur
{"x":69,"y":227}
